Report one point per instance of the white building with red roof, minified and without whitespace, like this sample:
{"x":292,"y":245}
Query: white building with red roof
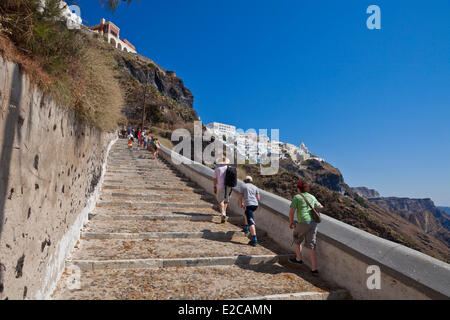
{"x":111,"y":32}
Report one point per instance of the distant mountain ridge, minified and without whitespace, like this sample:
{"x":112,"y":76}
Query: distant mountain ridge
{"x":445,"y":209}
{"x":404,"y":204}
{"x":413,"y":206}
{"x":319,"y":172}
{"x":366,"y":192}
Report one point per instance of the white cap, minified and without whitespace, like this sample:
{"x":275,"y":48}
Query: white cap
{"x":249,"y":179}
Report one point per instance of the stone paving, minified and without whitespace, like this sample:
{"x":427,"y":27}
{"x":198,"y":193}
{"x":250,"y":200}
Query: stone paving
{"x":156,"y":235}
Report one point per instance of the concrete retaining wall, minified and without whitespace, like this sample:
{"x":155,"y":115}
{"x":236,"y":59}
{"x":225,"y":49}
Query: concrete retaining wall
{"x":344,"y":252}
{"x":51,"y":166}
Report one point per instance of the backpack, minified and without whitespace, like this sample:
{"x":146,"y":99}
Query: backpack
{"x":231,"y":177}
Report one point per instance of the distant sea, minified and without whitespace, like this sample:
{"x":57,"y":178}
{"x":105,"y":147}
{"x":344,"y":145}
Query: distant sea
{"x":445,"y":209}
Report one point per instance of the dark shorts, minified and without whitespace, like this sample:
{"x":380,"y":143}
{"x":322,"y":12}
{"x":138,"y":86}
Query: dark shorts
{"x":249,"y":214}
{"x":306,"y":231}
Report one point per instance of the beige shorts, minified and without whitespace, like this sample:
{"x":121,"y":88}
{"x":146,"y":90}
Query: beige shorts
{"x":223,"y":195}
{"x":306,"y":231}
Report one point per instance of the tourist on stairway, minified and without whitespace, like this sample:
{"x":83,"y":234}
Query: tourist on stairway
{"x":220,"y":189}
{"x":250,"y":193}
{"x":130,"y":141}
{"x":156,"y":147}
{"x":306,"y":227}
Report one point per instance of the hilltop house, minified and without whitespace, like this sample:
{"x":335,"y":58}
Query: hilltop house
{"x":221,"y":129}
{"x":111,"y":32}
{"x":250,"y":145}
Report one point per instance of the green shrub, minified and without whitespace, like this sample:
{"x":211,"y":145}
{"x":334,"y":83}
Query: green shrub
{"x":41,"y":34}
{"x":361,"y":201}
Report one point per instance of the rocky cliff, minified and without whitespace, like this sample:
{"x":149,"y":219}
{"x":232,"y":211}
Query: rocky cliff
{"x":146,"y":71}
{"x":445,"y":209}
{"x":404,"y":204}
{"x":168,"y":103}
{"x":422,"y":211}
{"x":319,"y":172}
{"x":366,"y":192}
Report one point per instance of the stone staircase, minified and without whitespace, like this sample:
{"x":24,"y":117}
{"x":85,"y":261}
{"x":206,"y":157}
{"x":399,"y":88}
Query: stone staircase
{"x":156,"y":235}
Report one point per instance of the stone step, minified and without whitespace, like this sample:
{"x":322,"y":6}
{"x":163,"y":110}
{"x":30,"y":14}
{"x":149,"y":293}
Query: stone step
{"x":178,"y":262}
{"x":129,"y":210}
{"x":160,"y":174}
{"x":149,"y":171}
{"x":129,"y":181}
{"x":155,"y":193}
{"x":164,"y":235}
{"x":155,"y":226}
{"x":150,"y":184}
{"x":145,"y":205}
{"x":139,"y":217}
{"x":126,"y":157}
{"x":138,"y":162}
{"x":155,"y":196}
{"x":211,"y":282}
{"x":339,"y":294}
{"x":127,"y":169}
{"x":141,"y":169}
{"x":144,"y":173}
{"x":117,"y":188}
{"x":140,"y":158}
{"x":148,"y":175}
{"x":126,"y":249}
{"x":135,"y":167}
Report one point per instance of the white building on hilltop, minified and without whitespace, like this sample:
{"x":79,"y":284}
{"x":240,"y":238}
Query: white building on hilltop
{"x":298,"y":154}
{"x":111,"y":32}
{"x":72,"y":19}
{"x":250,"y":145}
{"x":221,"y":129}
{"x":274,"y":147}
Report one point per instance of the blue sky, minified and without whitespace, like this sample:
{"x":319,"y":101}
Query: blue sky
{"x":373,"y":103}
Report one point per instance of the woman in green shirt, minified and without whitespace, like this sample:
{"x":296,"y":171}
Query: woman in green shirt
{"x":306,"y":228}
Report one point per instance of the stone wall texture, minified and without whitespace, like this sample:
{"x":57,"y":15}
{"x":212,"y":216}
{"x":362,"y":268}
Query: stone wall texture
{"x":50,"y":168}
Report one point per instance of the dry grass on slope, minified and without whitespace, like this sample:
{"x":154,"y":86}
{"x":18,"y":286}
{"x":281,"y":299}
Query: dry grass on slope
{"x":30,"y":66}
{"x":101,"y":98}
{"x":90,"y":85}
{"x":77,"y":71}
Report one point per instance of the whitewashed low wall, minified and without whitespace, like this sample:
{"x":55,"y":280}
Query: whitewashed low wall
{"x":344,"y":252}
